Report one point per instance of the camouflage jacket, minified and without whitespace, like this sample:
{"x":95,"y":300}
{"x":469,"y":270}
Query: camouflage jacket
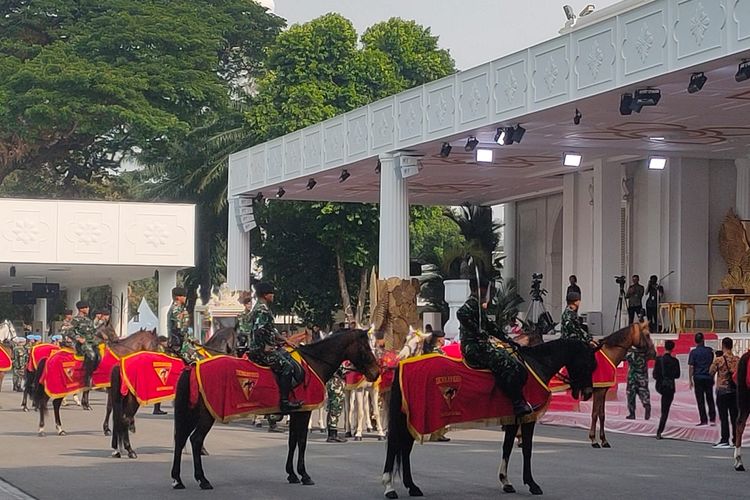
{"x":245,"y":322}
{"x":637,"y":362}
{"x":571,"y":328}
{"x":20,"y":356}
{"x":471,"y":334}
{"x":264,"y":336}
{"x":178,"y":319}
{"x":82,"y":326}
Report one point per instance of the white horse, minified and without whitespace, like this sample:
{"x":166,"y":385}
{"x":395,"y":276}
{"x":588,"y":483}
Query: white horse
{"x":7,"y":331}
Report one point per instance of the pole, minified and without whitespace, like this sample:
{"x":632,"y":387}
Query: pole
{"x":659,"y":287}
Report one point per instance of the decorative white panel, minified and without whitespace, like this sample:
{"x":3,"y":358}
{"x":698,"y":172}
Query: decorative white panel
{"x":257,"y":167}
{"x":699,"y":27}
{"x":27,"y":231}
{"x":239,"y":169}
{"x":551,"y":69}
{"x":333,"y":140}
{"x":311,"y":149}
{"x":441,"y":107}
{"x":410,"y":116}
{"x":356,"y":134}
{"x":740,"y":24}
{"x":293,"y":154}
{"x":274,"y":160}
{"x":90,"y":232}
{"x":595,"y":57}
{"x":157,"y":234}
{"x":474,"y":95}
{"x":510,"y":85}
{"x":644,"y":42}
{"x":382,"y":124}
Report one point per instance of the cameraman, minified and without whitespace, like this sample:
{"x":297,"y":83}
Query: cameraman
{"x":635,"y":298}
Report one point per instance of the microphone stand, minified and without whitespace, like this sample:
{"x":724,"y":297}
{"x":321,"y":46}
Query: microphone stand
{"x":658,"y":287}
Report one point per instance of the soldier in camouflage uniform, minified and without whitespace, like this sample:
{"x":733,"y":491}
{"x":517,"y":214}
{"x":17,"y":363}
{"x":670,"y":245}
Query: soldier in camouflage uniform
{"x":101,"y":319}
{"x":66,"y":329}
{"x":267,"y":346}
{"x":244,"y":326}
{"x":20,"y":358}
{"x":637,"y":383}
{"x":84,"y":339}
{"x":570,"y":324}
{"x":178,"y":321}
{"x":335,"y":405}
{"x":479,"y":353}
{"x":162,"y":347}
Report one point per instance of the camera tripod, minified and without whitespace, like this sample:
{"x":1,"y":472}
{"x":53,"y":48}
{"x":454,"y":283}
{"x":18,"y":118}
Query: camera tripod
{"x":617,"y":324}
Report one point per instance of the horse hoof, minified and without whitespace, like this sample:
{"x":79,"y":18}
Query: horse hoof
{"x":177,"y":484}
{"x":740,"y":468}
{"x":132,"y":454}
{"x":205,"y":485}
{"x":391,"y":495}
{"x":292,"y":479}
{"x":132,"y":428}
{"x":42,"y":434}
{"x":107,"y":433}
{"x":25,"y":410}
{"x":606,"y":445}
{"x":415,"y":492}
{"x":535,"y":489}
{"x":204,"y":452}
{"x":307,"y":481}
{"x":62,"y":433}
{"x":595,"y":445}
{"x":116,"y":454}
{"x":508,"y":488}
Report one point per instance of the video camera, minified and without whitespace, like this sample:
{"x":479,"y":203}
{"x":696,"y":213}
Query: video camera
{"x":620,"y":280}
{"x":537,"y":292}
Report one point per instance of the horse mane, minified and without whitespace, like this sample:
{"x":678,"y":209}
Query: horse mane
{"x":617,"y":338}
{"x":336,"y":336}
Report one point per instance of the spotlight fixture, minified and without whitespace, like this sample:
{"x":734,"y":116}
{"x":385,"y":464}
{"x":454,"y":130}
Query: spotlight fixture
{"x":743,"y":71}
{"x":589,"y":9}
{"x":471,"y":144}
{"x":445,"y":150}
{"x":484,"y":155}
{"x":281,"y":192}
{"x":311,"y":183}
{"x":635,"y":102}
{"x":344,"y":175}
{"x":657,"y":163}
{"x":508,"y":135}
{"x":577,"y":117}
{"x":258,"y":197}
{"x":570,"y":15}
{"x":12,"y":271}
{"x":572,"y":159}
{"x":501,"y":136}
{"x":377,"y":168}
{"x":697,"y":81}
{"x":626,"y":101}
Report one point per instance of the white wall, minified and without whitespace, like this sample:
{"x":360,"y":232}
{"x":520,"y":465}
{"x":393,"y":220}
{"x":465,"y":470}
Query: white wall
{"x":722,"y":179}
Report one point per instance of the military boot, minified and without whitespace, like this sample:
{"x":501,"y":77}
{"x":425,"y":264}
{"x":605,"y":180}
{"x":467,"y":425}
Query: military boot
{"x":285,"y":387}
{"x":333,"y":437}
{"x":512,"y":385}
{"x":648,"y":412}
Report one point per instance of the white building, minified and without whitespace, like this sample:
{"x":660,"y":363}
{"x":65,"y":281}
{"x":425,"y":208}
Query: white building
{"x":608,"y":216}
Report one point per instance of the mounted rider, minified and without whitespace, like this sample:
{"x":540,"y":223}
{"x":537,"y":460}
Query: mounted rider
{"x":571,"y":326}
{"x":267,"y":346}
{"x":84,"y":339}
{"x":66,"y":329}
{"x":102,"y":318}
{"x":479,"y":352}
{"x":244,"y":326}
{"x":20,"y":358}
{"x":178,"y":321}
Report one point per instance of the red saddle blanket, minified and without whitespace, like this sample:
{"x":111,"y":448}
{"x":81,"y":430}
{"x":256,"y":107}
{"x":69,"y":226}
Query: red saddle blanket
{"x":150,"y":376}
{"x":5,"y":362}
{"x":38,"y":353}
{"x":233,"y":388}
{"x":605,"y":374}
{"x":64,"y":374}
{"x":438,"y":391}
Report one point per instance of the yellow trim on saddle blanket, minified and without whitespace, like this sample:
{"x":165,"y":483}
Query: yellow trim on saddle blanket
{"x":614,"y":367}
{"x":129,"y":384}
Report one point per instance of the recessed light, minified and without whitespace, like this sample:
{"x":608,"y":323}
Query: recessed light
{"x":484,"y":155}
{"x":657,"y":163}
{"x":34,"y":277}
{"x":572,"y":159}
{"x":58,"y":269}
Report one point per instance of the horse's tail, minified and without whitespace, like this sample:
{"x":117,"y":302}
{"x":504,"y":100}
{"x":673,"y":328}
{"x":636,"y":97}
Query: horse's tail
{"x":182,"y":412}
{"x":743,"y":392}
{"x":398,"y":433}
{"x":38,"y":396}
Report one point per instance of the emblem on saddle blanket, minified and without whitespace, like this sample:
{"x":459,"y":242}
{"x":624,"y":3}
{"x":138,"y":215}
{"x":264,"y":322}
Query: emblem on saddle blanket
{"x":438,"y":391}
{"x":150,"y":376}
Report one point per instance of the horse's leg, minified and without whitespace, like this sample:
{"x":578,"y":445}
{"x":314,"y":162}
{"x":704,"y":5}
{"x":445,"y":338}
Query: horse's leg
{"x":602,"y":414}
{"x":56,"y":403}
{"x":741,"y":422}
{"x":414,"y":490}
{"x":202,"y":428}
{"x":527,"y":435}
{"x":375,"y":398}
{"x":292,"y":442}
{"x":105,"y":426}
{"x":42,"y":407}
{"x":85,"y":401}
{"x":594,"y":418}
{"x":359,"y":397}
{"x":303,"y":419}
{"x":185,"y":420}
{"x":390,"y":459}
{"x":502,"y":473}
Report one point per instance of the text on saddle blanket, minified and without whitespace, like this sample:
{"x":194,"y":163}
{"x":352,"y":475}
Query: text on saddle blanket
{"x":438,"y":390}
{"x":5,"y":362}
{"x":150,"y":376}
{"x":64,"y":372}
{"x":233,"y":388}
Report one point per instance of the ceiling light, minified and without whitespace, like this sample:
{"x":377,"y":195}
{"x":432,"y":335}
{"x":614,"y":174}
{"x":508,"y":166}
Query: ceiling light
{"x":570,"y":15}
{"x":589,"y":9}
{"x":281,"y":192}
{"x":577,"y":117}
{"x":645,"y":97}
{"x":344,"y":175}
{"x":484,"y":155}
{"x":572,"y":159}
{"x":471,"y":144}
{"x":311,"y":184}
{"x":657,"y":163}
{"x":743,"y":71}
{"x":377,"y":168}
{"x":697,"y":81}
{"x":506,"y":136}
{"x":502,"y":134}
{"x":12,"y":271}
{"x":518,"y":133}
{"x":626,"y":100}
{"x":258,"y":197}
{"x":445,"y":150}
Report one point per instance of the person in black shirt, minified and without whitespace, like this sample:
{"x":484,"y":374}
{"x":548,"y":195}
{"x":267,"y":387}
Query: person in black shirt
{"x":635,"y":299}
{"x":654,"y":295}
{"x":701,"y":380}
{"x":666,"y":370}
{"x":573,"y":287}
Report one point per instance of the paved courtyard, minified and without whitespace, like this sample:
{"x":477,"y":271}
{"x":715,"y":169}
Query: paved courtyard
{"x":248,"y":463}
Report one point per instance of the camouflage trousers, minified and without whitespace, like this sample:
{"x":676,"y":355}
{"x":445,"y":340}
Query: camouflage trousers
{"x":279,"y":360}
{"x":18,"y":379}
{"x":335,"y":403}
{"x":509,"y":373}
{"x":638,"y":384}
{"x":89,"y":352}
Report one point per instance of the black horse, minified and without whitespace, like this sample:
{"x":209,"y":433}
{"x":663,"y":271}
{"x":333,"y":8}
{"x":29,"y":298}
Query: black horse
{"x":323,"y":357}
{"x":125,"y":407}
{"x":546,"y":359}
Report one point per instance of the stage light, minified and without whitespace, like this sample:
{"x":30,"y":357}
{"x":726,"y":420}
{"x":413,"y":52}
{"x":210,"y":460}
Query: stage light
{"x":344,"y":175}
{"x":445,"y":150}
{"x":502,"y":135}
{"x":258,"y":197}
{"x":281,"y":192}
{"x":657,"y":163}
{"x":311,"y":184}
{"x":12,"y":271}
{"x":589,"y":9}
{"x":697,"y":81}
{"x":626,"y":100}
{"x":518,"y":134}
{"x":570,"y":15}
{"x":471,"y":144}
{"x":484,"y":155}
{"x":645,"y":97}
{"x":577,"y":117}
{"x":377,"y":168}
{"x":743,"y":71}
{"x":572,"y":159}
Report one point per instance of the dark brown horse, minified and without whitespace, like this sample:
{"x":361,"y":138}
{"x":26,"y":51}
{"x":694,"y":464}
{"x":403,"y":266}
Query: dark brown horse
{"x":615,"y":347}
{"x":143,"y":340}
{"x":743,"y":405}
{"x":546,"y":359}
{"x":323,"y":357}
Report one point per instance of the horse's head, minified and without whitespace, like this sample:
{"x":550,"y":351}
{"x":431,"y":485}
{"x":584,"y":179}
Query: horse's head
{"x":641,"y":335}
{"x":360,"y":354}
{"x":107,"y":333}
{"x":581,"y":365}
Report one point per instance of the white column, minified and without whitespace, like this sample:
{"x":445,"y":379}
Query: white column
{"x":167,"y":281}
{"x":73,"y":295}
{"x":743,"y":188}
{"x":238,"y":252}
{"x":120,"y":307}
{"x":394,"y":220}
{"x":509,"y":235}
{"x":40,"y":314}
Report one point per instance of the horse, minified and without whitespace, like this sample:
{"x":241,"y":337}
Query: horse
{"x":142,"y":340}
{"x":124,"y":408}
{"x":323,"y":357}
{"x":7,"y":349}
{"x":615,"y":347}
{"x":546,"y":360}
{"x":743,"y":407}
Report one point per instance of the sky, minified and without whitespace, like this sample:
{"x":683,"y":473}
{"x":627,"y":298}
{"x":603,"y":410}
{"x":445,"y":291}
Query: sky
{"x":475,"y":32}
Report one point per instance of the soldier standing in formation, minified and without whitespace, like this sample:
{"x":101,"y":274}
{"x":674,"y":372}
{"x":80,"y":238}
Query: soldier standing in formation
{"x":244,"y":326}
{"x":479,"y":353}
{"x":570,"y":324}
{"x":20,"y":358}
{"x":335,"y":405}
{"x":637,"y":383}
{"x":84,"y":339}
{"x":267,"y":346}
{"x":178,"y":321}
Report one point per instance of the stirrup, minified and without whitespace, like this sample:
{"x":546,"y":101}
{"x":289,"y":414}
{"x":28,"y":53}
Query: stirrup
{"x":521,"y":408}
{"x":286,"y":406}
